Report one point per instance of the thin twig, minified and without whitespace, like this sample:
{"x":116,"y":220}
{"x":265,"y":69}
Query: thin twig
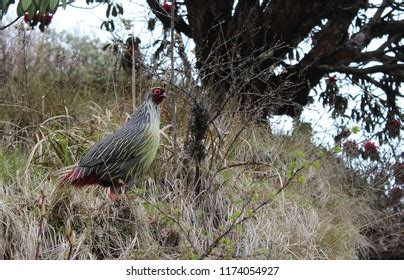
{"x":170,"y":218}
{"x":174,"y":96}
{"x":41,"y":204}
{"x":243,"y":164}
{"x":9,"y":24}
{"x":134,"y":103}
{"x":237,"y":221}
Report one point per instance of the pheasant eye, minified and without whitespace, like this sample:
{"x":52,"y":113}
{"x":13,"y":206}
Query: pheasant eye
{"x":157,"y":91}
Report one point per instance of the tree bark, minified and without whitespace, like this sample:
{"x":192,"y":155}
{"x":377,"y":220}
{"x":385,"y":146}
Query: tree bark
{"x":229,"y":36}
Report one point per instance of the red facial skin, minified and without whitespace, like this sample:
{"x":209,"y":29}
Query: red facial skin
{"x":158,"y":95}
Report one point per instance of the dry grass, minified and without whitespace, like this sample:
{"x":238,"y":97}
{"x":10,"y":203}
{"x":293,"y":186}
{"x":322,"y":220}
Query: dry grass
{"x":315,"y":217}
{"x":263,"y":196}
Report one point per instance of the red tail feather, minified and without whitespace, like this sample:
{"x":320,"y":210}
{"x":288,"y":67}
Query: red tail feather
{"x":77,"y":178}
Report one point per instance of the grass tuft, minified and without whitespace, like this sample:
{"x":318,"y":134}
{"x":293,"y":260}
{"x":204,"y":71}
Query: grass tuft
{"x":260,"y":196}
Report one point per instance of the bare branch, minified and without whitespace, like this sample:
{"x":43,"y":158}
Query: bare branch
{"x":363,"y":74}
{"x":386,"y":68}
{"x":164,"y":17}
{"x":9,"y":24}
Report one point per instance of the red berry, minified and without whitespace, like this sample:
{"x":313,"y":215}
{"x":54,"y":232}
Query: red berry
{"x":47,"y":19}
{"x":26,"y":17}
{"x":36,"y":17}
{"x":393,"y":128}
{"x":395,"y":123}
{"x":167,"y":6}
{"x":370,"y":150}
{"x":370,"y":147}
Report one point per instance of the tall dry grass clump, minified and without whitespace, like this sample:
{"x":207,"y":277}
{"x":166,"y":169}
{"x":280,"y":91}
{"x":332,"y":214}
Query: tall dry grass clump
{"x":237,"y":192}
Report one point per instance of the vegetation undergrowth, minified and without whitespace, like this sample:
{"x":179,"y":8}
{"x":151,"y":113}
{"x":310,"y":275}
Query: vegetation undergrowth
{"x":254,"y":195}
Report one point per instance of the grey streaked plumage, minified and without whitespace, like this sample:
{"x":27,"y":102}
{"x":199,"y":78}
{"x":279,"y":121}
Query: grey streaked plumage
{"x":125,"y":154}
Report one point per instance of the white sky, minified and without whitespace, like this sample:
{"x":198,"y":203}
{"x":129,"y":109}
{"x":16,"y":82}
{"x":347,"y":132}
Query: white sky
{"x":86,"y":21}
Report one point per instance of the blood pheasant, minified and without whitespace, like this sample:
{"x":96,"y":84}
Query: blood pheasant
{"x":124,"y":155}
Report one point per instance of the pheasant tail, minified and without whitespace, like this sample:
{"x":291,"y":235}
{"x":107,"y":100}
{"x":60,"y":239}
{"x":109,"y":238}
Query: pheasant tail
{"x":78,"y":177}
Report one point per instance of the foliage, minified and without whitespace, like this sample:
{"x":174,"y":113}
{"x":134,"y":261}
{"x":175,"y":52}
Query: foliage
{"x":314,"y":218}
{"x":262,"y":196}
{"x":244,"y":188}
{"x":320,"y":40}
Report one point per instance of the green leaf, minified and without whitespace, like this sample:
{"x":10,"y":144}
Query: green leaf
{"x":271,"y":195}
{"x":226,"y":241}
{"x":146,"y":206}
{"x":316,"y":164}
{"x":291,"y":169}
{"x":43,"y":6}
{"x":53,"y":5}
{"x":3,"y":5}
{"x":20,"y":10}
{"x":25,"y":4}
{"x":238,"y":201}
{"x":301,"y":179}
{"x":64,"y":2}
{"x":337,"y":149}
{"x":355,"y":129}
{"x":234,"y":216}
{"x":31,"y":10}
{"x":321,"y":154}
{"x":300,"y":154}
{"x":159,"y":205}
